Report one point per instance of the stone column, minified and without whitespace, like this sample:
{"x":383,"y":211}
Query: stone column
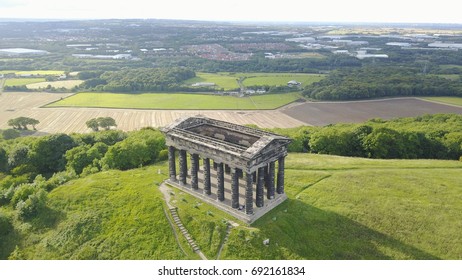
{"x":234,"y":188}
{"x":183,"y":167}
{"x":270,"y":192}
{"x":260,"y":185}
{"x":207,"y":183}
{"x":266,"y":177}
{"x":220,"y":182}
{"x":171,"y":163}
{"x":280,"y":183}
{"x":249,"y":194}
{"x":194,"y":170}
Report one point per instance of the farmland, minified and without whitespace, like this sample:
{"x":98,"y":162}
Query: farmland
{"x":224,"y":81}
{"x":278,"y":79}
{"x":324,"y":113}
{"x":53,"y":120}
{"x":67,"y":84}
{"x":229,"y":81}
{"x":23,"y":81}
{"x":179,"y":101}
{"x":447,"y":100}
{"x":72,"y":119}
{"x":34,"y":72}
{"x":338,"y":208}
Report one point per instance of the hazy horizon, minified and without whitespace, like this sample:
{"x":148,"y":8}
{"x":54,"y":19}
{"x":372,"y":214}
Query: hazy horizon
{"x":289,"y":11}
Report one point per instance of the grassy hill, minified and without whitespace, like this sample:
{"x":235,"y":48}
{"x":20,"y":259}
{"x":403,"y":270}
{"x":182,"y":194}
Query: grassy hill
{"x":338,"y":208}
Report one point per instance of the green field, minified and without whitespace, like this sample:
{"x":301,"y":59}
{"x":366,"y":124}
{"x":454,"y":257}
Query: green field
{"x":447,"y":100}
{"x":222,"y":80}
{"x":176,"y":101}
{"x":279,"y":79}
{"x":23,"y":81}
{"x":229,"y":81}
{"x":337,"y":208}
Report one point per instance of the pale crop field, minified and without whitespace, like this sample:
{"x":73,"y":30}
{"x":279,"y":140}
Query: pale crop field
{"x":40,"y":72}
{"x":67,"y":84}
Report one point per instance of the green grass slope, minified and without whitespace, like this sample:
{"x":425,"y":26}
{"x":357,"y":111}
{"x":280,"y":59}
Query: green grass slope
{"x":109,"y":215}
{"x":338,"y":208}
{"x":351,"y":208}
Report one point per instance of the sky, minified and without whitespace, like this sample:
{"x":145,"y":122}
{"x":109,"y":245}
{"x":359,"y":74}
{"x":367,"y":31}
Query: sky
{"x":399,"y":11}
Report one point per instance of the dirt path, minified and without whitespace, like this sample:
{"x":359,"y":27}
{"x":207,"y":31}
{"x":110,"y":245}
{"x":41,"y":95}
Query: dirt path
{"x":173,"y":210}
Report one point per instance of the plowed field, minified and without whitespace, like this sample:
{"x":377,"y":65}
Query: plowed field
{"x":324,"y":113}
{"x":52,"y":120}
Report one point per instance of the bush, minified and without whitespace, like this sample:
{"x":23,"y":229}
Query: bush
{"x":163,"y":155}
{"x":31,"y":206}
{"x":140,"y":148}
{"x":6,"y":195}
{"x":22,"y":193}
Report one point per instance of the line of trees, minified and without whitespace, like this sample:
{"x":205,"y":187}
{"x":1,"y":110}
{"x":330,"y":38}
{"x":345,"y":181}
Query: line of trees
{"x":102,"y":122}
{"x":426,"y":137}
{"x":23,"y":122}
{"x":373,"y":82}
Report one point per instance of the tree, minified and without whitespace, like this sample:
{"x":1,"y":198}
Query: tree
{"x":103,"y":122}
{"x":3,"y":160}
{"x":23,"y":122}
{"x":82,"y":156}
{"x":19,"y":155}
{"x":385,"y":143}
{"x":140,"y":148}
{"x":106,"y":122}
{"x":48,"y":153}
{"x":333,"y":141}
{"x":93,"y":124}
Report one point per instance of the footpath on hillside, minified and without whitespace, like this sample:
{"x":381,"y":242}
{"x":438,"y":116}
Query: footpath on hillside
{"x":173,"y":211}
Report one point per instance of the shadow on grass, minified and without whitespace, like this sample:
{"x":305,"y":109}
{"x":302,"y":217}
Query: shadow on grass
{"x":47,"y":218}
{"x":8,"y":241}
{"x":299,"y":230}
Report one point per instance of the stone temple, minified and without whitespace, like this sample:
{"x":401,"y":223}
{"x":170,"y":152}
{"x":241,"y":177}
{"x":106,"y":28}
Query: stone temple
{"x":242,"y":170}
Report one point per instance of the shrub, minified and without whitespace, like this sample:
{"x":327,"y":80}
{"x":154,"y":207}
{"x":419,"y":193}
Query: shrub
{"x":22,"y":193}
{"x":32,"y":205}
{"x":163,"y":155}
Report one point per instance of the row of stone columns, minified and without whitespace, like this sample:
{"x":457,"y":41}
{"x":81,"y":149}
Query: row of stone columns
{"x":264,"y":176}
